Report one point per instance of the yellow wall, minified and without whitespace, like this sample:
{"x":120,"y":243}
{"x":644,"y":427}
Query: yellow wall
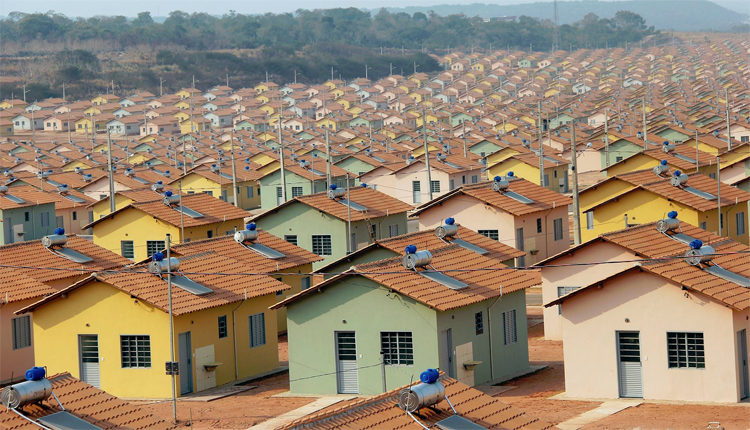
{"x":101,"y":207}
{"x":89,"y":310}
{"x":530,"y":173}
{"x":603,"y":192}
{"x":198,"y":184}
{"x":296,"y":283}
{"x":132,"y":224}
{"x":641,"y":162}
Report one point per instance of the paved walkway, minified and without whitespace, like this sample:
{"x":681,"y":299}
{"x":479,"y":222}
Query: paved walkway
{"x":300,"y":412}
{"x":609,"y":407}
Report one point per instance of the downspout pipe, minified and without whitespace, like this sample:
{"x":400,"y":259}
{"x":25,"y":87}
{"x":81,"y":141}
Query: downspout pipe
{"x":489,"y":323}
{"x":234,"y":335}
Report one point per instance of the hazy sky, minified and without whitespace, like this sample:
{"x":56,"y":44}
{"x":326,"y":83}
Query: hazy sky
{"x":73,"y":8}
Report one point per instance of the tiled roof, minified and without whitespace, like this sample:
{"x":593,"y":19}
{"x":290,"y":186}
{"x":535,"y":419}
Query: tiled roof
{"x":212,"y":209}
{"x":378,"y":204}
{"x":383,"y":413}
{"x":87,"y":403}
{"x":228,"y":287}
{"x":30,"y":196}
{"x":16,"y":286}
{"x":35,"y":261}
{"x":226,"y":246}
{"x":544,"y":199}
{"x":661,"y":186}
{"x":453,"y":260}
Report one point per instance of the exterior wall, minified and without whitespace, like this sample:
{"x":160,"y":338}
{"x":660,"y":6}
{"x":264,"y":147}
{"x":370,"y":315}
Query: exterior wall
{"x":654,"y":307}
{"x":73,"y":226}
{"x":312,"y":326}
{"x":101,"y":188}
{"x":14,"y":362}
{"x":577,"y":276}
{"x":355,"y":166}
{"x":268,"y":199}
{"x":101,"y":208}
{"x":197,"y":184}
{"x":735,"y":173}
{"x":730,"y":221}
{"x":294,"y":281}
{"x":641,"y":207}
{"x":139,"y":227}
{"x":530,"y":173}
{"x":304,"y":222}
{"x":367,"y":257}
{"x":740,"y":323}
{"x":33,"y":228}
{"x":601,"y":192}
{"x":508,"y":359}
{"x":544,"y":243}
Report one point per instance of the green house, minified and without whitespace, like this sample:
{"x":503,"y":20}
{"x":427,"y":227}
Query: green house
{"x":471,"y":325}
{"x":620,"y":150}
{"x":300,"y":181}
{"x":320,"y":224}
{"x":26,"y":214}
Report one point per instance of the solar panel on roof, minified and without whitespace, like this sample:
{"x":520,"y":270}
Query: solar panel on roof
{"x":65,"y":421}
{"x":454,"y":165}
{"x":443,"y":279}
{"x":71,"y":255}
{"x":356,"y":206}
{"x":187,"y":211}
{"x":457,"y":422}
{"x":141,"y":180}
{"x":53,"y":183}
{"x":73,"y":198}
{"x":471,"y":247}
{"x":699,"y":193}
{"x":377,"y":159}
{"x":264,"y":250}
{"x":225,"y":176}
{"x":682,"y":238}
{"x":317,"y":172}
{"x":517,"y":197}
{"x":190,"y":286}
{"x":684,"y":158}
{"x":728,"y":276}
{"x":14,"y":199}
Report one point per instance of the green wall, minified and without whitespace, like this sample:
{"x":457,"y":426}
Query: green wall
{"x":621,"y":148}
{"x":484,"y":146}
{"x":33,"y":228}
{"x":348,"y":306}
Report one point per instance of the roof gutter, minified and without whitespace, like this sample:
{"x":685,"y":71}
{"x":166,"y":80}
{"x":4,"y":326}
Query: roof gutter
{"x":489,"y":322}
{"x":234,"y":335}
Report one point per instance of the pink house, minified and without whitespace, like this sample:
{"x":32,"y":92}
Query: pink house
{"x":569,"y":271}
{"x":514,"y":211}
{"x":664,"y":329}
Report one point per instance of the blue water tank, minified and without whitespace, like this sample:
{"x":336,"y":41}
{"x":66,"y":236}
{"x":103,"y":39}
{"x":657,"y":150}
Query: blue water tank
{"x":60,"y":231}
{"x":158,"y":256}
{"x":429,"y":376}
{"x":663,"y":162}
{"x":411,"y":249}
{"x":510,"y":174}
{"x":35,"y":373}
{"x":168,"y":194}
{"x":333,"y":186}
{"x":251,"y":226}
{"x":672,"y":214}
{"x":450,"y":221}
{"x":696,"y":244}
{"x":497,"y":178}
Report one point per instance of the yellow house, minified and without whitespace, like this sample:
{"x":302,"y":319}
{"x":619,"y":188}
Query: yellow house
{"x":139,"y":229}
{"x":682,"y":158}
{"x":295,"y":264}
{"x":327,"y":122}
{"x":187,"y":92}
{"x":101,"y":100}
{"x":217,"y":182}
{"x":643,"y":197}
{"x":501,"y":155}
{"x":185,"y":126}
{"x":223,"y":330}
{"x":419,"y":150}
{"x":526,"y":166}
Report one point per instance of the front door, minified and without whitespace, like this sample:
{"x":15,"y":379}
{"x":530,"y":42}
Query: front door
{"x":347,"y":378}
{"x":88,"y":349}
{"x":742,"y":350}
{"x":186,"y":363}
{"x":7,"y":223}
{"x":629,"y":364}
{"x":446,"y":352}
{"x":279,"y":196}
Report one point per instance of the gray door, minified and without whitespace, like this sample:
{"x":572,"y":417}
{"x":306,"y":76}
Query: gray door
{"x":520,"y":247}
{"x":742,"y":350}
{"x":629,"y":363}
{"x":88,"y":350}
{"x":446,"y":352}
{"x":416,"y":191}
{"x":8,"y":227}
{"x":347,"y":378}
{"x":186,"y":363}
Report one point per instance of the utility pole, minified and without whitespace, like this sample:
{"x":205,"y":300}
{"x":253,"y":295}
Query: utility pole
{"x":382,"y":369}
{"x":24,"y":92}
{"x":111,"y":179}
{"x":606,"y":138}
{"x":466,"y":155}
{"x":349,"y":244}
{"x":729,"y":134}
{"x":328,"y":160}
{"x":696,"y":150}
{"x":171,"y":326}
{"x":63,"y":85}
{"x":541,"y":147}
{"x":576,"y":202}
{"x":281,"y":161}
{"x":161,"y":86}
{"x":426,"y":153}
{"x":70,"y":139}
{"x":234,"y":169}
{"x":295,"y":76}
{"x":33,"y":127}
{"x":718,"y":191}
{"x":645,"y":131}
{"x":182,"y":216}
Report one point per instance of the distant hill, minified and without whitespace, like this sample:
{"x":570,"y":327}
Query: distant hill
{"x":683,"y":15}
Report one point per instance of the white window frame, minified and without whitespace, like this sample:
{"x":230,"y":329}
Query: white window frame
{"x":21,"y":327}
{"x":323,"y":247}
{"x":674,"y":349}
{"x":394,"y":354}
{"x":590,"y":220}
{"x":740,"y":221}
{"x":252,"y":321}
{"x":150,"y":244}
{"x":492,"y":234}
{"x":139,"y":363}
{"x":558,"y":224}
{"x":510,"y":331}
{"x":561,"y":291}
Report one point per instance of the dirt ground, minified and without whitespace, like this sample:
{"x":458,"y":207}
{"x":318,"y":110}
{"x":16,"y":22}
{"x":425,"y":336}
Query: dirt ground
{"x":532,"y":394}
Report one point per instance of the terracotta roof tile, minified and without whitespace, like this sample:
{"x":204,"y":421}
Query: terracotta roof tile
{"x":88,"y":403}
{"x":15,"y":286}
{"x":544,"y":199}
{"x":383,"y":413}
{"x":294,"y":256}
{"x":38,"y":262}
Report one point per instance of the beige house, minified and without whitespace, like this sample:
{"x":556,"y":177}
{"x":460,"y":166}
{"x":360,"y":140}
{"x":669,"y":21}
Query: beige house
{"x":670,"y":329}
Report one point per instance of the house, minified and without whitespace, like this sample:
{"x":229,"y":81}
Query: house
{"x":216,"y":180}
{"x":242,"y":342}
{"x":683,"y":157}
{"x":408,"y":182}
{"x":645,"y":196}
{"x":81,"y":405}
{"x":514,"y":211}
{"x":527,"y":166}
{"x":21,"y":285}
{"x":444,"y":235}
{"x":303,"y":176}
{"x":280,"y":259}
{"x":461,"y":405}
{"x":673,"y":329}
{"x":320,"y":222}
{"x":26,"y":214}
{"x":471,"y":324}
{"x":139,"y":229}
